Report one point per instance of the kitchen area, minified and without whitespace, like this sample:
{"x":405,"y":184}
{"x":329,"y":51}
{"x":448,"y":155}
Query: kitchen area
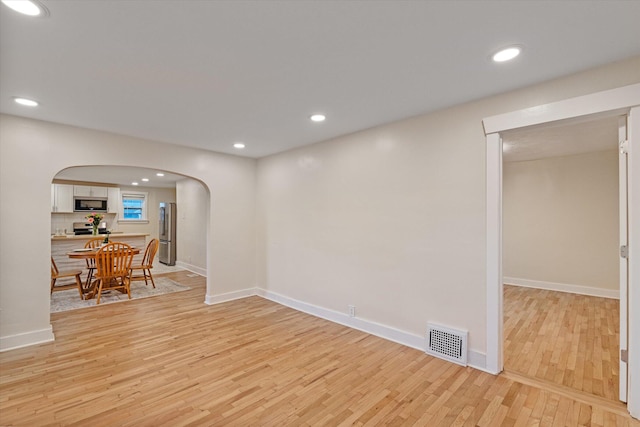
{"x":136,"y":205}
{"x":129,"y":216}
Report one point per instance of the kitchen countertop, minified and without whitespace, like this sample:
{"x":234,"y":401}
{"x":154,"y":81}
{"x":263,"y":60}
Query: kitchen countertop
{"x":62,"y":245}
{"x":89,"y":236}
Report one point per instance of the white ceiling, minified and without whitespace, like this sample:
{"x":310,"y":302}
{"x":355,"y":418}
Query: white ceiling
{"x":210,"y":73}
{"x":120,"y":175}
{"x":561,"y":140}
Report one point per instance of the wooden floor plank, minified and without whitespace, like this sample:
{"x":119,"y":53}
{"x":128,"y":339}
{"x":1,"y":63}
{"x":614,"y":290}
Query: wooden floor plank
{"x":566,"y":339}
{"x":172,"y":360}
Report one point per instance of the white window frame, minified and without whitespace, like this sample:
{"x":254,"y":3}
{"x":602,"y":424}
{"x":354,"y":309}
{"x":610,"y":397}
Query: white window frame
{"x":145,"y":206}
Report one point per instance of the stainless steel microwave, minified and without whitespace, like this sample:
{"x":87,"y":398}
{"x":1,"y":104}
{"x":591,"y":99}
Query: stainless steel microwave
{"x":84,"y":205}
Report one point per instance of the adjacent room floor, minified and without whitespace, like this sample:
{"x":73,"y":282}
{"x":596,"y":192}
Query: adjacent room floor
{"x":566,"y":339}
{"x":172,"y":360}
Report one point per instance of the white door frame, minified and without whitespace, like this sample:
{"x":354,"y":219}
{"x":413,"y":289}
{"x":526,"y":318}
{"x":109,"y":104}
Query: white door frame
{"x":623,"y":213}
{"x":624,"y":100}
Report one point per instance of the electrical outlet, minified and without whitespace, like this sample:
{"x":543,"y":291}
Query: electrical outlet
{"x":352,"y":311}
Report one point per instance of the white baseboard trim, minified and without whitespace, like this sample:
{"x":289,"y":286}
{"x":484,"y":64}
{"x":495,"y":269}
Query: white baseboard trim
{"x":563,"y":287}
{"x":12,"y":342}
{"x":475,"y":359}
{"x":478,"y":361}
{"x":229,"y":296}
{"x":194,"y":269}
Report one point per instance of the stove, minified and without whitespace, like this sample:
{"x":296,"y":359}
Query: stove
{"x":82,"y":228}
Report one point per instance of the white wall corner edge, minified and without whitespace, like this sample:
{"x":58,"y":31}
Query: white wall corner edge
{"x":563,"y":287}
{"x":475,"y":359}
{"x":229,"y":296}
{"x":26,"y":339}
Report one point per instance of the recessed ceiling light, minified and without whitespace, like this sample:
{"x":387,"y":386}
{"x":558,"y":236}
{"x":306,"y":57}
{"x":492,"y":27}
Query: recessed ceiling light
{"x":26,"y":7}
{"x":238,"y":145}
{"x":506,"y":54}
{"x":145,"y":179}
{"x":26,"y":102}
{"x":159,"y":174}
{"x":318,"y":118}
{"x":134,"y":183}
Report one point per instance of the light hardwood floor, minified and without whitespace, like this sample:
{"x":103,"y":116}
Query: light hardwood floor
{"x":172,"y":361}
{"x":566,"y":339}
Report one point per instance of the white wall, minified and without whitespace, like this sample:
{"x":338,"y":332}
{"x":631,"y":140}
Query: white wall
{"x":193,"y":207}
{"x":392,"y":219}
{"x":32,"y":152}
{"x":560,"y":221}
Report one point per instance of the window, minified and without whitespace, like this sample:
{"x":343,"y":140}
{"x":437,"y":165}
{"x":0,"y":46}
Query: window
{"x":134,"y":206}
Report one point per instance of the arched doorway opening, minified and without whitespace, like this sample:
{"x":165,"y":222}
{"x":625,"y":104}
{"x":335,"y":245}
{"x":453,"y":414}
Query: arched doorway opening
{"x":128,"y":201}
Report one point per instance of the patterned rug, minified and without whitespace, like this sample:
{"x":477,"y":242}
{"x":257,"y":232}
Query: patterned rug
{"x":70,"y":300}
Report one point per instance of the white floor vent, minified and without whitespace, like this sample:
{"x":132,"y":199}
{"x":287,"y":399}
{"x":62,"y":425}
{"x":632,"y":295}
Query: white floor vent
{"x":446,"y":343}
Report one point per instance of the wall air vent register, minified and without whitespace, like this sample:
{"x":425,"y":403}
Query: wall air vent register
{"x":446,"y":343}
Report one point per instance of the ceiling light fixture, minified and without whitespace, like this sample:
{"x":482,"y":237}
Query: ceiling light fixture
{"x":506,"y":54}
{"x":145,"y":179}
{"x":318,"y":118}
{"x":238,"y":145}
{"x":26,"y":102}
{"x":134,"y":183}
{"x":159,"y":174}
{"x":26,"y":7}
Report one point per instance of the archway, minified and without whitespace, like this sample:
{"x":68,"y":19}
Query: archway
{"x":34,"y":151}
{"x":115,"y":186}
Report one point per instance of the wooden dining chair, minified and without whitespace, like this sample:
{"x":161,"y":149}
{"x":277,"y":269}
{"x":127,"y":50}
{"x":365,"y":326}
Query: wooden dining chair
{"x":56,"y":274}
{"x":147,"y":264}
{"x":91,"y":262}
{"x":113,"y":268}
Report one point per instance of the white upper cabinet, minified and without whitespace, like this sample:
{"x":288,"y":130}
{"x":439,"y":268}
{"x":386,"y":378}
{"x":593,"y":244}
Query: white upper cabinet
{"x":99,"y":191}
{"x":90,"y":191}
{"x":82,"y":191}
{"x":62,"y":198}
{"x":113,"y":200}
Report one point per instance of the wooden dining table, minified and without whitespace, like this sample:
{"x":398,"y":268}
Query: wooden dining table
{"x":90,"y":253}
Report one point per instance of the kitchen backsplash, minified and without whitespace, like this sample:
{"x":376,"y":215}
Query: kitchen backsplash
{"x":63,"y":222}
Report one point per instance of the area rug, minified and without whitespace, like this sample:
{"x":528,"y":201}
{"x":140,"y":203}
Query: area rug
{"x":70,"y":300}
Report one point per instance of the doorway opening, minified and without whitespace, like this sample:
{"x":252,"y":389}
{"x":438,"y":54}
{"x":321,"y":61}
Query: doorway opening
{"x":623,"y":101}
{"x":560,"y":255}
{"x":129,"y":213}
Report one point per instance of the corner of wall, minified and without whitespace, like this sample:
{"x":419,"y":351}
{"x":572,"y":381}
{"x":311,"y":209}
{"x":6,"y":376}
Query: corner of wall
{"x":193,"y":268}
{"x":475,"y":359}
{"x":229,"y":296}
{"x":12,"y":342}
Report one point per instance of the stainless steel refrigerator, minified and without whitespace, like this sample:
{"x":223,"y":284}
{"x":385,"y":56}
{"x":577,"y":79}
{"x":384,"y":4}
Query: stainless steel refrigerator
{"x":167,"y":250}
